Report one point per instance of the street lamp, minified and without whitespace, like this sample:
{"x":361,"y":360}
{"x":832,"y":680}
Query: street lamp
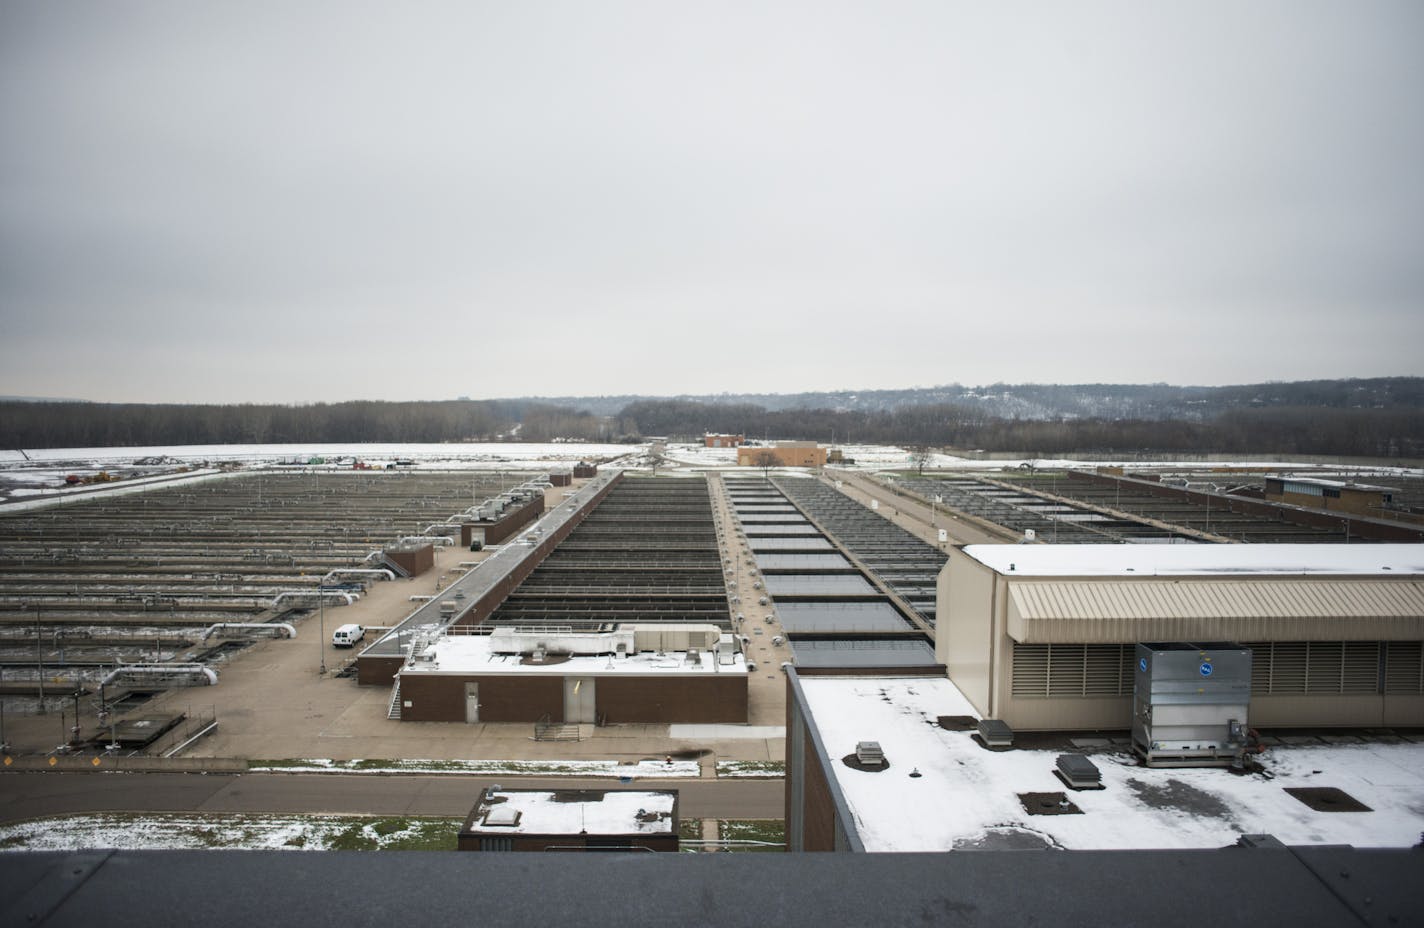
{"x":321,"y":636}
{"x":39,"y":656}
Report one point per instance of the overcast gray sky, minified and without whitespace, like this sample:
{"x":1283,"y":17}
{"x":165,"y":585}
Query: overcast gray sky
{"x":296,"y":201}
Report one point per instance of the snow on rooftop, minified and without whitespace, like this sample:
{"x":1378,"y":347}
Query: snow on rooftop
{"x":1150,"y":560}
{"x":470,"y":654}
{"x":967,"y":797}
{"x":569,"y":812}
{"x":1323,"y":482}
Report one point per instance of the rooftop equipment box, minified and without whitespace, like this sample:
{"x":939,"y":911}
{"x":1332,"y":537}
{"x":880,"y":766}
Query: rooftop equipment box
{"x":1190,"y":703}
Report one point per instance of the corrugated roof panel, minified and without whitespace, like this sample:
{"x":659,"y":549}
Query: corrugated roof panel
{"x":1089,"y":611}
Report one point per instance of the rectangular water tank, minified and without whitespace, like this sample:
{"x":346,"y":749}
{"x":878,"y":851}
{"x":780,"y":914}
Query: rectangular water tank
{"x":1190,"y":703}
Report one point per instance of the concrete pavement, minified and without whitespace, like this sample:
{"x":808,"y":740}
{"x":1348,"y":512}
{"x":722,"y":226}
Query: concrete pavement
{"x":37,"y":795}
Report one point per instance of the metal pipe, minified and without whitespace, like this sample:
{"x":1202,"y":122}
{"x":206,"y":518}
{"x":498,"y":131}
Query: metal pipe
{"x":322,"y":594}
{"x":438,"y":541}
{"x":358,"y":571}
{"x":192,"y":669}
{"x":281,"y":626}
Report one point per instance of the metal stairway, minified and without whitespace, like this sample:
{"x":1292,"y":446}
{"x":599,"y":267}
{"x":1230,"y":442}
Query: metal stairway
{"x":393,"y":711}
{"x":546,"y":730}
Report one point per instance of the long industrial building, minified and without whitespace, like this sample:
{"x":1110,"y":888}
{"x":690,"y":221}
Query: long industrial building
{"x":612,"y":611}
{"x":1042,"y":637}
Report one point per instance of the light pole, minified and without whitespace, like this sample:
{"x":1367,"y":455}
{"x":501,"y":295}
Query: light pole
{"x":321,"y":636}
{"x":39,"y":656}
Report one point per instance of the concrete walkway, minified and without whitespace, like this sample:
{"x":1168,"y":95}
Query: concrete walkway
{"x":36,"y":795}
{"x":917,"y":517}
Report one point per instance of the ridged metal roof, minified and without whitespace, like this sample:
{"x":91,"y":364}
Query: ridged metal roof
{"x":1090,"y":611}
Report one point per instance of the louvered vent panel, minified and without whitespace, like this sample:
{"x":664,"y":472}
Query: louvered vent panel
{"x":1288,"y":660}
{"x":1404,"y":668}
{"x":1065,"y":670}
{"x":1103,"y":676}
{"x":1030,"y":676}
{"x":1322,"y":669}
{"x":1360,"y":670}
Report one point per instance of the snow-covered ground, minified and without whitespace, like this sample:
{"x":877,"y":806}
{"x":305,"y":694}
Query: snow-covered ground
{"x":509,"y":454}
{"x":966,"y":796}
{"x":155,"y":831}
{"x":25,"y":476}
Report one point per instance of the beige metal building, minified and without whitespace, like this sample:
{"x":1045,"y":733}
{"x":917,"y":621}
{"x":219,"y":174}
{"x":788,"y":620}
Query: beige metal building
{"x":1042,"y":636}
{"x":782,"y":454}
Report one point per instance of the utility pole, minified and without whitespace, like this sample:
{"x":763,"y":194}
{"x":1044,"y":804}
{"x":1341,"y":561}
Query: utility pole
{"x":39,"y":656}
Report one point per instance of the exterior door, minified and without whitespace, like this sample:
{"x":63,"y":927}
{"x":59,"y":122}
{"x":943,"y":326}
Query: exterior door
{"x":472,"y":702}
{"x":579,"y":704}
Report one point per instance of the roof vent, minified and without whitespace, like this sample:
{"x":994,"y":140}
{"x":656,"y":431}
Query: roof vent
{"x":1077,"y":772}
{"x":503,"y":816}
{"x":869,"y":753}
{"x":995,"y":733}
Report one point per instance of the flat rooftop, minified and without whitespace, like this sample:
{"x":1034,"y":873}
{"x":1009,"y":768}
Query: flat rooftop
{"x":476,"y":654}
{"x":572,"y":811}
{"x":1323,"y":482}
{"x":967,"y":797}
{"x":1110,"y":560}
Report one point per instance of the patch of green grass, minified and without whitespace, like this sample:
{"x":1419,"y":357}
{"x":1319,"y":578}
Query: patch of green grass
{"x":689,"y":829}
{"x":753,"y":829}
{"x":428,"y":835}
{"x":352,"y":838}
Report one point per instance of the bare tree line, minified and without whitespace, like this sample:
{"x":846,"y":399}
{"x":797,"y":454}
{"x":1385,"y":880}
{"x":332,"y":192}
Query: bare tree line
{"x":1396,"y":432}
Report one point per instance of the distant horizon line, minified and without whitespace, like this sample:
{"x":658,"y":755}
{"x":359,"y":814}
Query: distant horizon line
{"x":688,"y":394}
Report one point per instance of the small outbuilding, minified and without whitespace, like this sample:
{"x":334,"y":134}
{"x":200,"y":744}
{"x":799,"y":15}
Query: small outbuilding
{"x":630,"y":674}
{"x":572,"y":820}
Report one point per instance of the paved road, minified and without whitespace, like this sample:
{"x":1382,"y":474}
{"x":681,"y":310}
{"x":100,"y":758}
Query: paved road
{"x":33,"y":795}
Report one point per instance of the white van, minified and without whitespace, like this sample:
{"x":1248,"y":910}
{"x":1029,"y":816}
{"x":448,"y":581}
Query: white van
{"x":347,"y":635}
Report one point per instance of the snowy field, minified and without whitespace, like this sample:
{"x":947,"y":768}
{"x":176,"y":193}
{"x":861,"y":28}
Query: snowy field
{"x":510,"y":454}
{"x":156,"y":831}
{"x":29,"y":474}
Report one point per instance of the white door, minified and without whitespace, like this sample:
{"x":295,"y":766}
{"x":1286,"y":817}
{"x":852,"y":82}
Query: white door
{"x":472,"y":702}
{"x":579,"y":705}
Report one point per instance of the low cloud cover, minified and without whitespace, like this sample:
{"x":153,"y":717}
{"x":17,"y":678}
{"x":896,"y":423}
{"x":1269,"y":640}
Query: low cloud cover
{"x":320,"y":201}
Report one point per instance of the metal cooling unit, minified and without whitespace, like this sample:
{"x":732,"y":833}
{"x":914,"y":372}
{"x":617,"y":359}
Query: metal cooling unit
{"x":1190,"y":704}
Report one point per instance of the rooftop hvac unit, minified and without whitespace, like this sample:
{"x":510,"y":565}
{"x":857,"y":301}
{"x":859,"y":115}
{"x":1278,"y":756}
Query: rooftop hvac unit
{"x":1190,"y":704}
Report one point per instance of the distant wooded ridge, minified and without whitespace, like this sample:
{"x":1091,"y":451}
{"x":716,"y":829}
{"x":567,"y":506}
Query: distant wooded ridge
{"x":1052,"y":401}
{"x":1376,"y":418}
